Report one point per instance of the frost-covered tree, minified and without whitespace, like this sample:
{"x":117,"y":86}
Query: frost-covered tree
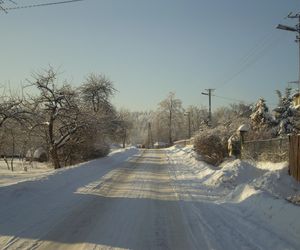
{"x":285,"y":113}
{"x":171,"y":115}
{"x":138,"y":125}
{"x":261,"y":117}
{"x":124,"y":126}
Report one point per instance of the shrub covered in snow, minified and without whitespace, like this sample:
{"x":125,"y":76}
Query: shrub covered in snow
{"x":211,"y":147}
{"x":212,"y":143}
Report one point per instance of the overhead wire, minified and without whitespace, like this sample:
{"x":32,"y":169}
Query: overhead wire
{"x":251,"y":57}
{"x":231,"y":99}
{"x":254,"y":54}
{"x":270,"y":104}
{"x":39,"y":5}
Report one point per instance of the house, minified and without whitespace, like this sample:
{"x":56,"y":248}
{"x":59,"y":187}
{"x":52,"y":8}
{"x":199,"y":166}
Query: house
{"x":296,"y":99}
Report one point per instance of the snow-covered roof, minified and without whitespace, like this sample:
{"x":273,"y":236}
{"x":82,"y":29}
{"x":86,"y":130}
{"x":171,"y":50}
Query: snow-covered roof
{"x":244,"y":128}
{"x":38,"y":152}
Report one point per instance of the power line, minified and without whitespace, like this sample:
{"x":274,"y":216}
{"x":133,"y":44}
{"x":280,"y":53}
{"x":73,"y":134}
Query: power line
{"x":231,"y":99}
{"x":252,"y":57}
{"x":38,"y":5}
{"x":242,"y":101}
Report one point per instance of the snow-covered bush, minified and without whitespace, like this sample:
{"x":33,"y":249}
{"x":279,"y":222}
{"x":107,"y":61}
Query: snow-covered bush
{"x":212,"y":143}
{"x":211,"y":147}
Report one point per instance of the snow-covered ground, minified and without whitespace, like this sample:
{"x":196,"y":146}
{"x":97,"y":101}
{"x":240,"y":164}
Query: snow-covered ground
{"x":30,"y":207}
{"x":26,"y":171}
{"x":23,"y":171}
{"x":152,"y":199}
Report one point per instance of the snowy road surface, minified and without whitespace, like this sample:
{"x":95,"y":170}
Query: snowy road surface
{"x":130,"y":200}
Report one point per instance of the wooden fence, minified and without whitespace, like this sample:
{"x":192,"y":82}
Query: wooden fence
{"x":294,"y":156}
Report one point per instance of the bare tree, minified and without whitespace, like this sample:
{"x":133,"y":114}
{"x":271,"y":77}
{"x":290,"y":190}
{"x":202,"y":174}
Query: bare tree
{"x":97,"y":91}
{"x":198,"y":117}
{"x":124,"y":125}
{"x":59,"y":111}
{"x":171,"y":112}
{"x":12,"y":107}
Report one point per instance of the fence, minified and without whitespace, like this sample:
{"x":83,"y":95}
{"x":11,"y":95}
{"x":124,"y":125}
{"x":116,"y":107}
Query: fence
{"x":294,"y":156}
{"x":275,"y":150}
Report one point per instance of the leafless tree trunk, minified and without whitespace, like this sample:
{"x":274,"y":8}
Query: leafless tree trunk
{"x":13,"y":149}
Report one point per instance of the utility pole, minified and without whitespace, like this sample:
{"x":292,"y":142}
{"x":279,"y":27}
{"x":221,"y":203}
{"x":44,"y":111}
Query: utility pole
{"x":188,"y":114}
{"x":170,"y":120}
{"x":209,"y":103}
{"x":150,"y":140}
{"x":294,"y":29}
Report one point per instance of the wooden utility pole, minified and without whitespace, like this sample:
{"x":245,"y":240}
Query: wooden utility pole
{"x":150,"y":139}
{"x":297,"y":30}
{"x":209,"y":92}
{"x":188,"y":114}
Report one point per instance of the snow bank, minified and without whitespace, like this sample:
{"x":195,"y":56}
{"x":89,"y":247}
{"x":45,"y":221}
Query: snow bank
{"x":43,"y":170}
{"x":262,"y":192}
{"x":269,"y":177}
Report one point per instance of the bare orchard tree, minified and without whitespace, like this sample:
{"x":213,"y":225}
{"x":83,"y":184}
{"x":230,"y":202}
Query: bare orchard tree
{"x":58,"y":111}
{"x":97,"y":91}
{"x":91,"y":140}
{"x":12,"y":108}
{"x":14,"y":115}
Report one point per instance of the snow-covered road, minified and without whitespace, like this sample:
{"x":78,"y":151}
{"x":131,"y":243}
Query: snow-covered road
{"x":129,"y":200}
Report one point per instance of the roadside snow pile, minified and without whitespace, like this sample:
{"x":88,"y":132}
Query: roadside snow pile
{"x":43,"y":170}
{"x":186,"y":152}
{"x":184,"y":161}
{"x":236,"y":172}
{"x":270,"y":178}
{"x":241,"y":179}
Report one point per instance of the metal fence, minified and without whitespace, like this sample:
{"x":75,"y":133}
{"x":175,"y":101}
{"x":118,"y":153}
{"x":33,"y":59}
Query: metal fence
{"x":274,"y":150}
{"x":184,"y":142}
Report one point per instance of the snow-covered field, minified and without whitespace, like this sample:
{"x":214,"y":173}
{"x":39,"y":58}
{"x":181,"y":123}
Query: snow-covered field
{"x":151,"y":199}
{"x":26,"y":171}
{"x":23,"y":171}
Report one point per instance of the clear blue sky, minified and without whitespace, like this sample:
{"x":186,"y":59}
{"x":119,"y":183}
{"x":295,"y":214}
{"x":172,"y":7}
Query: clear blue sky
{"x":149,"y":48}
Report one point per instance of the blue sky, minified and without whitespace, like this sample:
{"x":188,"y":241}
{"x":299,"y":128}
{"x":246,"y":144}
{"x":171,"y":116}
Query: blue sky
{"x":149,"y":48}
